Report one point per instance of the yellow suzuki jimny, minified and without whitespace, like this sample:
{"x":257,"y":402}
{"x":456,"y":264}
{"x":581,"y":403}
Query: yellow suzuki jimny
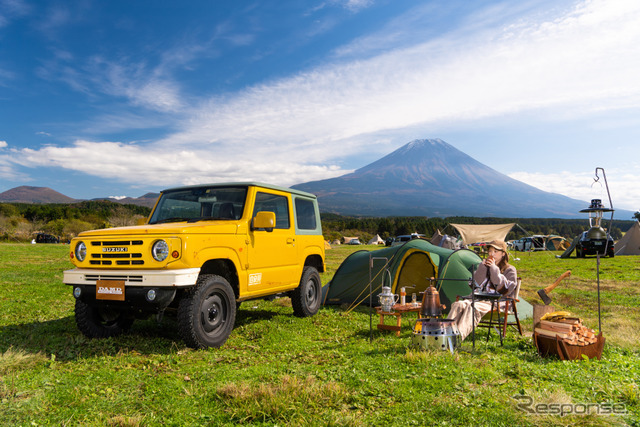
{"x":203,"y":250}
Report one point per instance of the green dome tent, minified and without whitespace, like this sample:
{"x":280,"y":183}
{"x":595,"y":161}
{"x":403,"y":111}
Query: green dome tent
{"x":408,"y":265}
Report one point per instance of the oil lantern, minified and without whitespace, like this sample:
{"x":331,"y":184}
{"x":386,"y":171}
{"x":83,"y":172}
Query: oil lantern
{"x":595,"y":211}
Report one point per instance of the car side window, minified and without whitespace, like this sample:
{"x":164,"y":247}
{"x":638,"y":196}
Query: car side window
{"x":305,"y":214}
{"x":279,"y":205}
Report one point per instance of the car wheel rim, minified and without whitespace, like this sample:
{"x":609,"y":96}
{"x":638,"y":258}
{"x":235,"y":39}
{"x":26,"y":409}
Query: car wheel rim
{"x":311,"y":292}
{"x":213,"y":312}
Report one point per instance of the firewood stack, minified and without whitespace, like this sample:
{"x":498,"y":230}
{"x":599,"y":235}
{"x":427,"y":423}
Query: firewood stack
{"x":570,"y":329}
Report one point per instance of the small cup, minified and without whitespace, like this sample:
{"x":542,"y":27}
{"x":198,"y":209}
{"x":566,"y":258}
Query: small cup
{"x":414,"y":299}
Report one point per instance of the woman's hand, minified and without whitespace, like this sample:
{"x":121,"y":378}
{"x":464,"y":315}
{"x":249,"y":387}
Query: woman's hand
{"x":489,"y":261}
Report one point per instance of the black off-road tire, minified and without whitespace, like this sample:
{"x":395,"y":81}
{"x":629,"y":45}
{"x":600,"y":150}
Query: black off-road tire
{"x":99,"y":322}
{"x":207,"y":312}
{"x":306,"y":298}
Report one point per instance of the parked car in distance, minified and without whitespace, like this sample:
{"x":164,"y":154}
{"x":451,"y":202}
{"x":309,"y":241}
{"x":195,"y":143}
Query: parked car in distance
{"x":587,"y":246}
{"x":355,"y":241}
{"x":402,"y":239}
{"x":46,"y":238}
{"x":529,"y":243}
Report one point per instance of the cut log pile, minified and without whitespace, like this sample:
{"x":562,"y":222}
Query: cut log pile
{"x":570,"y":329}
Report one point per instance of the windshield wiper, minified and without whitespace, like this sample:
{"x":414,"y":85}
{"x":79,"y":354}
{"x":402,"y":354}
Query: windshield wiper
{"x":201,"y":218}
{"x":174,"y":219}
{"x":209,"y":218}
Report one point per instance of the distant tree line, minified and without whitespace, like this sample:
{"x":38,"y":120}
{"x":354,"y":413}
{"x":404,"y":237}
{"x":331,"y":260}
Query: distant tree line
{"x":335,"y":226}
{"x":21,"y":221}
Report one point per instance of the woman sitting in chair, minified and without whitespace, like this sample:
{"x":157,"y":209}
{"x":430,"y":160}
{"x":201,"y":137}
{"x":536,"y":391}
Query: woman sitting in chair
{"x":494,"y":276}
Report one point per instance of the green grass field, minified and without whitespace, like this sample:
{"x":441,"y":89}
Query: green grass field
{"x":277,"y":369}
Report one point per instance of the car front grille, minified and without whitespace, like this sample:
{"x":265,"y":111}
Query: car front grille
{"x":116,"y":252}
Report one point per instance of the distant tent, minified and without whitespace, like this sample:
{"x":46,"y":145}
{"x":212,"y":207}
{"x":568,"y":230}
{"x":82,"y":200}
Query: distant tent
{"x":556,"y":243}
{"x":475,"y":233}
{"x":408,"y":265}
{"x":336,"y":242}
{"x":376,"y":241}
{"x":444,"y":240}
{"x":436,"y":238}
{"x":629,"y":244}
{"x":327,"y":245}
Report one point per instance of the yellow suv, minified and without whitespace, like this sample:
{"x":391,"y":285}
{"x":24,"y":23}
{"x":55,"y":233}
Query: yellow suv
{"x":203,"y":250}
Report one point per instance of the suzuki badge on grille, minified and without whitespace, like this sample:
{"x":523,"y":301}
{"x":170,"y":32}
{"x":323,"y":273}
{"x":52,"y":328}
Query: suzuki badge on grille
{"x":114,"y":249}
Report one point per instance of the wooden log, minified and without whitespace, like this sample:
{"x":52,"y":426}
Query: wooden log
{"x":551,"y":334}
{"x":570,"y":320}
{"x":556,"y":326}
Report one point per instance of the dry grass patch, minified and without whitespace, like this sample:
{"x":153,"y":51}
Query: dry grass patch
{"x":12,"y":360}
{"x":619,"y":326}
{"x":125,"y":421}
{"x":290,"y":401}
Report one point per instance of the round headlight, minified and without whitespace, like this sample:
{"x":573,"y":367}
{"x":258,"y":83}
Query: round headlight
{"x":81,"y":251}
{"x":160,"y":250}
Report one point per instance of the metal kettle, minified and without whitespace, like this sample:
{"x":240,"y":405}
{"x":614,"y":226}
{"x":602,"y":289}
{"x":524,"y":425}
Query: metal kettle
{"x":387,"y":299}
{"x":431,"y":306}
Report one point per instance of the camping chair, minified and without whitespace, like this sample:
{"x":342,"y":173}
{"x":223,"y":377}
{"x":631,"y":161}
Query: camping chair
{"x":500,"y":318}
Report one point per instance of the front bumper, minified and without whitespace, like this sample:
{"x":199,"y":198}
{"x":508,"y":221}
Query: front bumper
{"x":136,"y":300}
{"x":138,"y":283}
{"x":155,"y":278}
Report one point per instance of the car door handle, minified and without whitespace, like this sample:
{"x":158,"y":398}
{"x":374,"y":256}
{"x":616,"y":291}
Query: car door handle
{"x":290,"y":240}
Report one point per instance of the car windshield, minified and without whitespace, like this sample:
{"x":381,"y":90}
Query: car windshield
{"x":200,"y":204}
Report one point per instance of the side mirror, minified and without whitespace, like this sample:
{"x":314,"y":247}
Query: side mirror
{"x":264,"y":220}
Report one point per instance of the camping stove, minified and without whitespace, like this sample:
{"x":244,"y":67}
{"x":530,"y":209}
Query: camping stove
{"x":433,"y":333}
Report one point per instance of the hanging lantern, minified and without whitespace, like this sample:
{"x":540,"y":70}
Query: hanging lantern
{"x":595,"y":210}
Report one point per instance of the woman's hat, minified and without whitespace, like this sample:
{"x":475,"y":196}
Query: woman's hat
{"x":499,"y":245}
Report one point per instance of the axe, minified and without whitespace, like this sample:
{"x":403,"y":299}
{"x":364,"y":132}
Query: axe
{"x":543,"y":292}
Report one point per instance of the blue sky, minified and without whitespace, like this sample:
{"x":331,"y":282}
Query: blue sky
{"x":119,"y":98}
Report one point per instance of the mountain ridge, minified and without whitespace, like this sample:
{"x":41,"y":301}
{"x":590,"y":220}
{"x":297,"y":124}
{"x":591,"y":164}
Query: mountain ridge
{"x":429,"y":177}
{"x":45,"y":195}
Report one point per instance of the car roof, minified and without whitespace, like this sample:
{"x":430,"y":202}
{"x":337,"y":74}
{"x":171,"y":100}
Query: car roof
{"x":245,"y":184}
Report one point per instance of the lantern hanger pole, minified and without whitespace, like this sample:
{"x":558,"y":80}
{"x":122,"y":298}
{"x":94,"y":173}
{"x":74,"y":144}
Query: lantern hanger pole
{"x":597,"y":179}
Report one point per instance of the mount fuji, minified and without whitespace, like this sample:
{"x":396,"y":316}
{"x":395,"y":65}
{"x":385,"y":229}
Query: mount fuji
{"x":429,"y":177}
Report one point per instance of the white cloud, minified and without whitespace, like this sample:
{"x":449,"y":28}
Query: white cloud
{"x":286,"y":131}
{"x":11,"y":9}
{"x":583,"y":61}
{"x":8,"y":170}
{"x":142,"y":86}
{"x":134,"y":163}
{"x":622,"y":184}
{"x":356,"y":5}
